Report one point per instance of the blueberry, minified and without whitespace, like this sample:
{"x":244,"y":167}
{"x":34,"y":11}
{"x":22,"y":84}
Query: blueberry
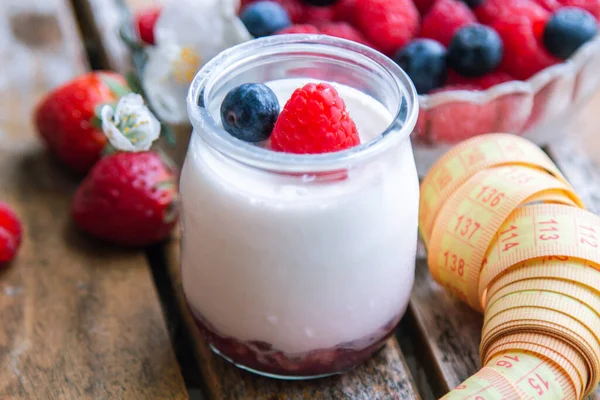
{"x":475,"y":50}
{"x":249,"y":112}
{"x":473,"y":3}
{"x":264,"y":18}
{"x":424,"y":60}
{"x":320,"y":3}
{"x":567,"y":30}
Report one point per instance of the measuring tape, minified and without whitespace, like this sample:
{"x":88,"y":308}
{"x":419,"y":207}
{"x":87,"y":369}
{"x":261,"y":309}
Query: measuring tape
{"x":507,"y":234}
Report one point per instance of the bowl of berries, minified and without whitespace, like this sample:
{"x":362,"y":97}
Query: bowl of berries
{"x":479,"y":66}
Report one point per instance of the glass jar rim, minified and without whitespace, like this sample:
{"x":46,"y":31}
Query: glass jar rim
{"x":256,"y":156}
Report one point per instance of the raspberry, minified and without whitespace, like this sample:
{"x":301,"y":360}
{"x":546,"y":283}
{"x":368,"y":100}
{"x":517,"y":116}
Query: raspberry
{"x":593,"y":6}
{"x":299,"y":28}
{"x":146,"y":20}
{"x":10,"y":233}
{"x":317,"y":15}
{"x":456,"y":121}
{"x":550,"y":5}
{"x":482,"y":82}
{"x":294,"y":8}
{"x":494,"y":10}
{"x":314,"y":120}
{"x":387,"y":24}
{"x":345,"y":31}
{"x":524,"y":52}
{"x":424,"y":5}
{"x":345,"y":10}
{"x":444,"y":19}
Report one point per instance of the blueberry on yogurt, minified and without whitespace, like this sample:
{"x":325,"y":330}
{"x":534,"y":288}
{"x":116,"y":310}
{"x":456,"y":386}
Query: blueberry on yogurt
{"x":249,"y":112}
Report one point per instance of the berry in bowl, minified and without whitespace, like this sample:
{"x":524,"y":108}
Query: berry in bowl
{"x":299,"y":204}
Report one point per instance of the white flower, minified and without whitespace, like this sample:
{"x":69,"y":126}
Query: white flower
{"x":130,"y":126}
{"x":188,"y":34}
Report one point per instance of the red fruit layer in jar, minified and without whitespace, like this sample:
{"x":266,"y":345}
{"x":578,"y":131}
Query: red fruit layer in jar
{"x":261,"y":357}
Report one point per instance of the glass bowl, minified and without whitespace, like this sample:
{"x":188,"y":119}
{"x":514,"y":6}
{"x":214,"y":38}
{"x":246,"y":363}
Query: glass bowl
{"x":537,"y":108}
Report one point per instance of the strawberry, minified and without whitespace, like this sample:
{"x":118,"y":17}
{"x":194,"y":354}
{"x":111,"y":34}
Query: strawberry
{"x":314,"y":120}
{"x":67,"y":118}
{"x":128,"y":199}
{"x":145,"y":21}
{"x":10,"y":234}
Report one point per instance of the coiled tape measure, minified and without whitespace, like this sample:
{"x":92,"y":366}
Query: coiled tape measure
{"x":507,"y":234}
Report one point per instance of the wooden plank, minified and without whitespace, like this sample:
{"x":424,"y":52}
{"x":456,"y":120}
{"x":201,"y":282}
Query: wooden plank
{"x":79,"y":319}
{"x":447,"y":331}
{"x":384,"y":376}
{"x":100,"y":22}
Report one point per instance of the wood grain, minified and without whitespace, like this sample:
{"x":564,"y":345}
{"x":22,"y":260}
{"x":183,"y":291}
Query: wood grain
{"x":447,"y":330}
{"x":80,"y":320}
{"x":384,"y":377}
{"x":100,"y":21}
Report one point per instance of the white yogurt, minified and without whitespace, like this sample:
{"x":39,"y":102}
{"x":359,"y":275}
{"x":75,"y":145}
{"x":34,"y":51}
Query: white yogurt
{"x":300,"y":265}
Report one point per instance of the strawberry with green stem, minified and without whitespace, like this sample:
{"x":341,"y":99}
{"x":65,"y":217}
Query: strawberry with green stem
{"x":68,"y":120}
{"x":130,"y":197}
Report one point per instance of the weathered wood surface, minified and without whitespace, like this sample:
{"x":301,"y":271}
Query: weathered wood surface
{"x":100,"y":21}
{"x":79,"y":319}
{"x":384,"y":377}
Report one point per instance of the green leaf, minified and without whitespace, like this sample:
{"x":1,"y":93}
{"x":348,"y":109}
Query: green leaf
{"x":172,"y":210}
{"x":134,"y":83}
{"x":108,"y":150}
{"x":96,"y":122}
{"x":168,"y":134}
{"x":118,"y":89}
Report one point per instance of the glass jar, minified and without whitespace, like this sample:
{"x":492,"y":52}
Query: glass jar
{"x":293,"y":265}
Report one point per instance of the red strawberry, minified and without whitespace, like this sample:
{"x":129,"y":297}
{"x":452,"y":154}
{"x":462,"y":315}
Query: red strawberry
{"x":127,"y":199}
{"x":314,"y":120}
{"x":345,"y":31}
{"x":299,"y":28}
{"x":146,"y":20}
{"x":444,"y":19}
{"x":66,"y":118}
{"x":456,"y":121}
{"x":387,"y":24}
{"x":10,"y":234}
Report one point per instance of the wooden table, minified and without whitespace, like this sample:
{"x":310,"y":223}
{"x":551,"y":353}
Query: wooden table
{"x":84,"y":320}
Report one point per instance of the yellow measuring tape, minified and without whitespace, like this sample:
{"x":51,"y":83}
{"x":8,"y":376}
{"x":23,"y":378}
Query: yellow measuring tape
{"x":507,"y":234}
